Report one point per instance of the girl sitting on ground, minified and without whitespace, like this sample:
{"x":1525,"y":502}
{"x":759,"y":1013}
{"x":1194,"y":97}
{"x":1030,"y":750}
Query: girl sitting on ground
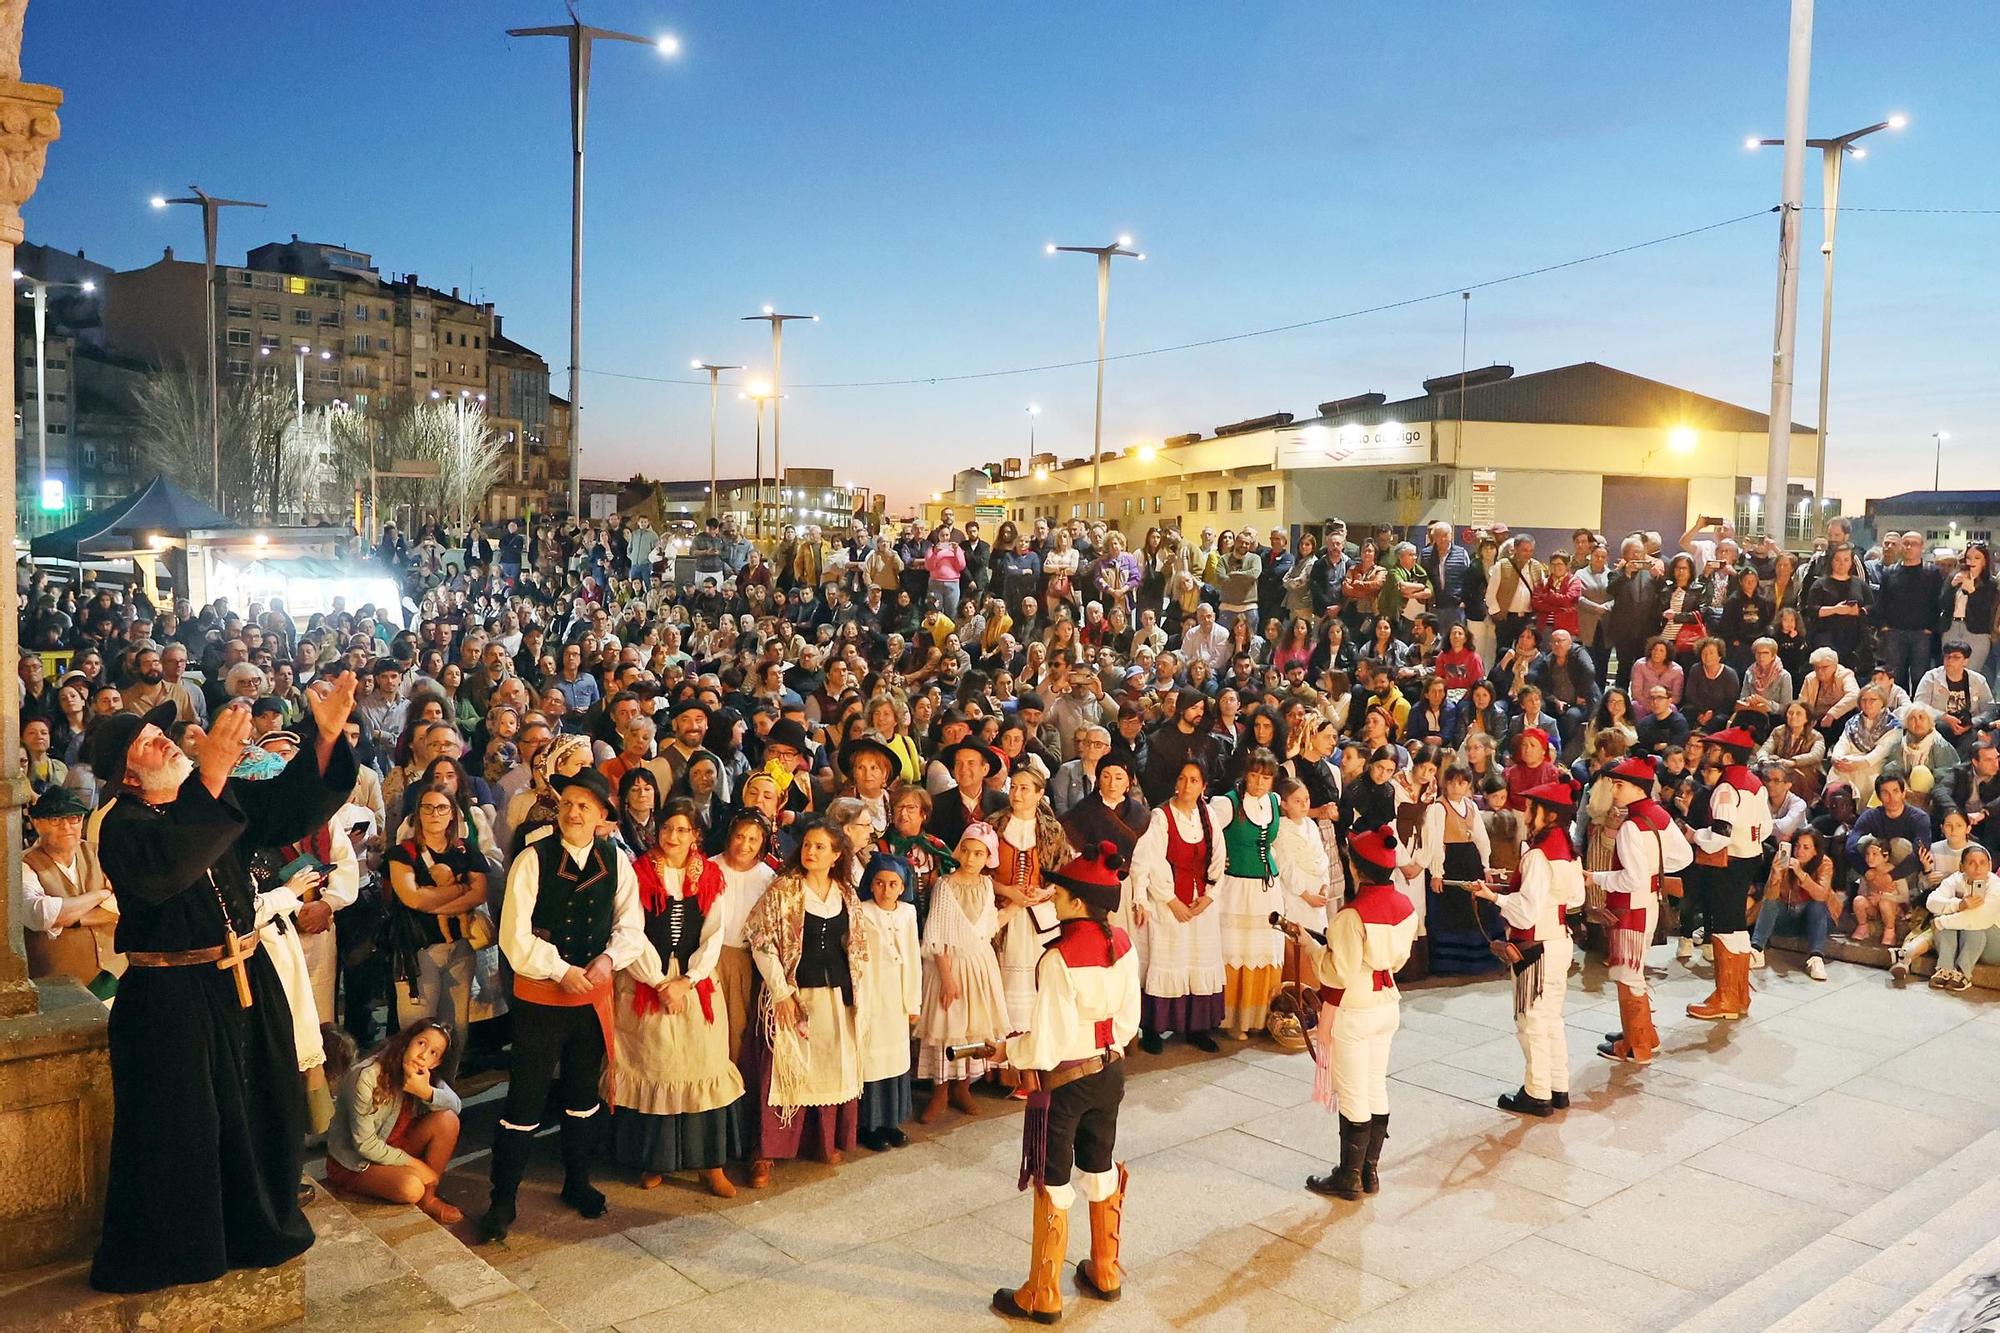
{"x":394,"y":1126}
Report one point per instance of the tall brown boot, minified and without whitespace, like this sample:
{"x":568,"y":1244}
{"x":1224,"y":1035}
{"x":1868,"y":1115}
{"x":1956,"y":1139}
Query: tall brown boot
{"x":1646,"y":1045}
{"x":1635,"y":1041}
{"x":1040,"y":1297}
{"x":1724,"y":1003}
{"x":1739,"y":978}
{"x":961,"y":1098}
{"x":935,"y":1106}
{"x":1100,"y":1275}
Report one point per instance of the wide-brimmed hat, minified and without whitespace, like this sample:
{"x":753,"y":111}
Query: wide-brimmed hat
{"x":58,"y":803}
{"x":591,"y":781}
{"x":110,"y":740}
{"x":859,"y":745}
{"x":987,"y":754}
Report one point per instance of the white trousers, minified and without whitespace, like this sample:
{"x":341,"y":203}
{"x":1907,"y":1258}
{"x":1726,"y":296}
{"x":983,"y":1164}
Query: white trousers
{"x":1361,"y":1040}
{"x":1544,"y":1039}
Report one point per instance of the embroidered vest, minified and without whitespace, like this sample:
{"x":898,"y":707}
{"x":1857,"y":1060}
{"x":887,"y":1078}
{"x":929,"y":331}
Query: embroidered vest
{"x":1246,"y":847}
{"x":1189,"y":860}
{"x":575,"y":906}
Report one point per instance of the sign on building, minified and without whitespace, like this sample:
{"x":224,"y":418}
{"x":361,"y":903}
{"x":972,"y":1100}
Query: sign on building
{"x":1485,"y":497}
{"x":603,"y":506}
{"x":1389,"y":444}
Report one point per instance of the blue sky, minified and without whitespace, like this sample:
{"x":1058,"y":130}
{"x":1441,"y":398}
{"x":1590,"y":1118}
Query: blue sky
{"x":897,"y":168}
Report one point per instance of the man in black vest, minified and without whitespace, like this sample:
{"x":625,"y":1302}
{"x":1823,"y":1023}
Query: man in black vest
{"x":571,"y":918}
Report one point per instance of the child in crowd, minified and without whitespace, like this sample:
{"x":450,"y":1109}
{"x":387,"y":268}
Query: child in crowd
{"x":890,"y":1000}
{"x":1881,"y":894}
{"x":395,"y":1126}
{"x":965,"y":998}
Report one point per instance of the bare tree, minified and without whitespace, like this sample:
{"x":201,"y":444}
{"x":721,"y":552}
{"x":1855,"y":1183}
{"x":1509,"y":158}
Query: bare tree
{"x":256,"y":414}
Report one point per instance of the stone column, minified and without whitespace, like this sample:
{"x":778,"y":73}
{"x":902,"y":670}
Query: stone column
{"x":55,"y":1076}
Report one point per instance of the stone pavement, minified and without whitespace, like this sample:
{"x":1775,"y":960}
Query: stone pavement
{"x":1820,"y":1164}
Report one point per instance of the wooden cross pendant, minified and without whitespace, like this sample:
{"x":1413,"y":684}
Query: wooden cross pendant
{"x":234,"y":956}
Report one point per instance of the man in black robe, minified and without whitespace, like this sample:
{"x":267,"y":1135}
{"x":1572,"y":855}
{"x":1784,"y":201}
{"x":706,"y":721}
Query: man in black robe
{"x":207,"y":1144}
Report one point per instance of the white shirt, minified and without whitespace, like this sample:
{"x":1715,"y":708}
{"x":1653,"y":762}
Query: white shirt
{"x":1211,"y":647}
{"x":741,"y":889}
{"x":533,"y":957}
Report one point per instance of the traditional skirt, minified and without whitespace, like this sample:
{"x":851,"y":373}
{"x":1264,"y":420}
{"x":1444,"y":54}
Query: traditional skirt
{"x":829,"y":1087}
{"x":1458,"y":945}
{"x":676,"y":1086}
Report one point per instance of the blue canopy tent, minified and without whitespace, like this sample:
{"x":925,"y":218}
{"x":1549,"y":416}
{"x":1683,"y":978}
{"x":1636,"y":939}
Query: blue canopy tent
{"x":160,"y":508}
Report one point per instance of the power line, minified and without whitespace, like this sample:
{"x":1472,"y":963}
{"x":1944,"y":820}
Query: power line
{"x":1452,"y":290}
{"x":1855,"y":208}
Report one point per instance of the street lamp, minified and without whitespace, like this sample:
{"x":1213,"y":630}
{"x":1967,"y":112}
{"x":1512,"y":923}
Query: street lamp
{"x":1033,"y":412}
{"x":1937,"y":467}
{"x":1832,"y":151}
{"x":713,"y":371}
{"x":1122,"y":247}
{"x":580,"y":36}
{"x":210,"y":205}
{"x":39,"y":290}
{"x":759,"y":393}
{"x":777,"y":323}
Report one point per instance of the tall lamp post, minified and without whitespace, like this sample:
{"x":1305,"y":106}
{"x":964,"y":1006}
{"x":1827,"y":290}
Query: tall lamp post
{"x":580,"y":36}
{"x":300,"y":351}
{"x":1033,"y":412}
{"x":1937,"y":467}
{"x":760,"y":394}
{"x":713,"y":371}
{"x":777,"y":323}
{"x":1121,"y":248}
{"x":1832,"y":152}
{"x":39,"y":290}
{"x":210,"y":206}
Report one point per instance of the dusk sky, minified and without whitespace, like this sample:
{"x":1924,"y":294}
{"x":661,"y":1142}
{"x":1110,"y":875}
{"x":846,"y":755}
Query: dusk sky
{"x":897,"y":168}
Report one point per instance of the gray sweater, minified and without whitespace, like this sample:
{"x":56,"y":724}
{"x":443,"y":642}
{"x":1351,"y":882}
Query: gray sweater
{"x":358,"y":1138}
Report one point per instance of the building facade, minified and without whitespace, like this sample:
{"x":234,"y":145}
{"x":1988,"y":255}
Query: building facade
{"x":1581,"y":445}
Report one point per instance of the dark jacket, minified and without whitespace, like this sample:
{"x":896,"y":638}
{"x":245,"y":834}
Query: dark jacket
{"x":1908,"y":597}
{"x":1635,"y":606}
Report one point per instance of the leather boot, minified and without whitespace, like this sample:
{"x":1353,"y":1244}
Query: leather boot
{"x":1739,"y":977}
{"x":1100,"y":1275}
{"x":935,"y":1106}
{"x":1630,"y":1045}
{"x":1344,"y":1182}
{"x":1648,"y":1042}
{"x":1378,"y":1133}
{"x":579,"y":1144}
{"x":1040,"y":1297}
{"x":961,"y":1098}
{"x":511,"y":1148}
{"x":1724,"y":1003}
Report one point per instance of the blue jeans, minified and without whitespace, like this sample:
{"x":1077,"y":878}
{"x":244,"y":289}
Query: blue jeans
{"x":946,"y":594}
{"x":1962,"y":950}
{"x":1776,"y":916}
{"x":1908,"y":655}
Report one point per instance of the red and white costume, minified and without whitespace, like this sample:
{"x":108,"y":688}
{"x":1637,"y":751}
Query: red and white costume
{"x":1550,"y":884}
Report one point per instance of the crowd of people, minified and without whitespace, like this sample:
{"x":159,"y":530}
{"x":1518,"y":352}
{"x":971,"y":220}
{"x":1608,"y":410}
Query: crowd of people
{"x":766,"y":853}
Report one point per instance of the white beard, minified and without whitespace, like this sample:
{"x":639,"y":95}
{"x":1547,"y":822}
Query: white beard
{"x":167,"y":775}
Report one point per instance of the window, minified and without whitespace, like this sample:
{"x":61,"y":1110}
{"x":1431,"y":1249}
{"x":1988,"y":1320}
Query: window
{"x":267,"y":340}
{"x":241,"y":277}
{"x":1076,"y":511}
{"x":1193,"y":501}
{"x":329,"y":375}
{"x":1211,"y":502}
{"x":475,"y":342}
{"x":360,"y":342}
{"x":237,"y":366}
{"x":381,"y":344}
{"x":1440,"y":486}
{"x":1393,"y":488}
{"x":1128,"y":508}
{"x":1236,"y":501}
{"x":382,"y":312}
{"x":296,"y":286}
{"x":1267,"y":497}
{"x":268,"y":281}
{"x":300,"y":315}
{"x":239,"y":310}
{"x":238,"y":337}
{"x":268,"y":313}
{"x":327,"y":289}
{"x":361,"y":401}
{"x":1156,"y":502}
{"x":361,"y":311}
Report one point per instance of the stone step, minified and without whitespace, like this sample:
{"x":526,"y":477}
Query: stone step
{"x":389,"y":1267}
{"x":58,"y":1299}
{"x":1863,"y":1271}
{"x":1985,"y":976}
{"x":1951,"y":1303}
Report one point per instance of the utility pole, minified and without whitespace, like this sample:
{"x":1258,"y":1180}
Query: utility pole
{"x":210,"y":206}
{"x":713,"y":371}
{"x":1798,"y":85}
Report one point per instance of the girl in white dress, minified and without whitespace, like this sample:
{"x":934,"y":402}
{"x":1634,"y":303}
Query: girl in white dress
{"x":1303,"y":865}
{"x":746,"y":871}
{"x":1175,"y":866}
{"x":965,"y":999}
{"x":1031,"y":843}
{"x":1252,"y":952}
{"x":890,"y":995}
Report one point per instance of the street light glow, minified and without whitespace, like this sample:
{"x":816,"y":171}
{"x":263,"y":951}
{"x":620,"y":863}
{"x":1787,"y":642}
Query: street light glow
{"x":1147,"y":453}
{"x":1125,"y":241}
{"x":1861,"y":152}
{"x":18,"y":275}
{"x":1751,"y":142}
{"x":1034,"y":410}
{"x":1897,"y":121}
{"x":159,"y":201}
{"x":1049,"y":249}
{"x":1041,"y":474}
{"x":89,"y":287}
{"x":669,"y":45}
{"x":770,"y":310}
{"x":1682,"y":439}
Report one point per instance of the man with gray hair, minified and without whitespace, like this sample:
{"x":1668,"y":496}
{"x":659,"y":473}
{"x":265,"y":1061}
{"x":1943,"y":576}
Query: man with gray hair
{"x":1448,"y":565}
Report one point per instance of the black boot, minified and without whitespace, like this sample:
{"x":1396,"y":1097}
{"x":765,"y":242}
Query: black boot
{"x":1344,"y":1182}
{"x":511,"y":1148}
{"x":1150,"y":1042}
{"x":1520,"y":1103}
{"x":1559,"y":1101}
{"x":1201,"y":1041}
{"x":1378,"y":1132}
{"x":579,"y":1143}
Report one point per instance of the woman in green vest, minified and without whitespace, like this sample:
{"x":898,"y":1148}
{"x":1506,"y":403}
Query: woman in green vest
{"x":1252,"y":952}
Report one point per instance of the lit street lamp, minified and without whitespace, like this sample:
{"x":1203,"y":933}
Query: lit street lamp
{"x":40,"y":292}
{"x":713,"y":372}
{"x":759,"y":393}
{"x":210,"y":205}
{"x":1105,"y":254}
{"x":777,"y":392}
{"x":1832,"y":151}
{"x":580,"y":37}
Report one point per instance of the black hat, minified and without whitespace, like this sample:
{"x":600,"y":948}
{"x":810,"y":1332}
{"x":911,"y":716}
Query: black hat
{"x":1031,"y":700}
{"x":948,"y":756}
{"x":58,"y":803}
{"x":787,"y":732}
{"x":591,"y":781}
{"x":1114,"y":759}
{"x":867,"y":745}
{"x":688,"y":705}
{"x":110,"y":738}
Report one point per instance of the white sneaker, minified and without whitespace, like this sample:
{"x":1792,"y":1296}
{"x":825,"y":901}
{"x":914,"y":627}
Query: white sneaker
{"x":1685,"y":951}
{"x":1816,"y":968}
{"x":1708,"y":953}
{"x":1961,"y":981}
{"x":1756,"y":958}
{"x":1899,"y":965}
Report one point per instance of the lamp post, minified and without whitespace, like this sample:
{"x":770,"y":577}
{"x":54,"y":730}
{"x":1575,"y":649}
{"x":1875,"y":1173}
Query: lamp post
{"x":210,"y":206}
{"x":1832,"y":152}
{"x":1937,"y":466}
{"x":1033,"y":412}
{"x":759,"y":394}
{"x":777,"y":392}
{"x":1122,"y":247}
{"x":39,"y":290}
{"x":580,"y":36}
{"x":713,"y":371}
